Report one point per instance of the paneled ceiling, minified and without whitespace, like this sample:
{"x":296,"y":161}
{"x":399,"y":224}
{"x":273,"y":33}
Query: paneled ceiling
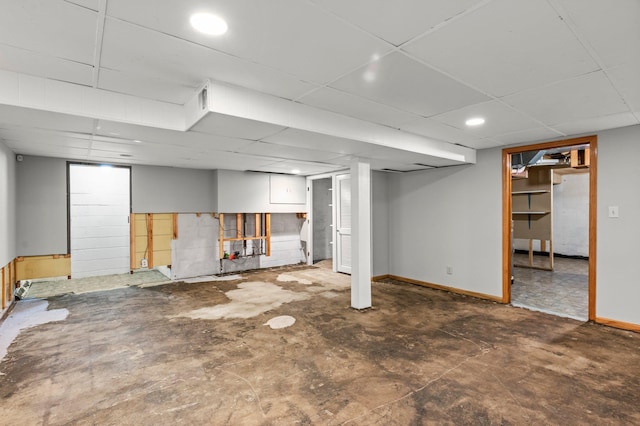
{"x":534,"y":70}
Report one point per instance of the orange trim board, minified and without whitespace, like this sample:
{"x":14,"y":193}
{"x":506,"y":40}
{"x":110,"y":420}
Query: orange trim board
{"x":618,"y":324}
{"x":443,"y":288}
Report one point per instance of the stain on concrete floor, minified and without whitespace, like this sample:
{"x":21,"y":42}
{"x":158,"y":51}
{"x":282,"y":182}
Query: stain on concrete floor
{"x":420,"y":356}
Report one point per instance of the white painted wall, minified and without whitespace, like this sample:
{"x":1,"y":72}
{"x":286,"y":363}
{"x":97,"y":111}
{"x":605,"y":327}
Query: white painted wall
{"x":8,"y":219}
{"x":618,"y":251}
{"x":41,"y":206}
{"x":380,"y":223}
{"x":249,"y":192}
{"x":449,"y":217}
{"x":172,"y":190}
{"x":571,"y":215}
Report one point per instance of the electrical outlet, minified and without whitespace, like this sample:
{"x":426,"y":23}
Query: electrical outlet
{"x":144,"y":263}
{"x":449,"y":270}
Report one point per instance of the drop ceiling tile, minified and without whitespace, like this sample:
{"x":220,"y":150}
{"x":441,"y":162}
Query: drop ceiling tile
{"x":583,"y":97}
{"x":595,"y":124}
{"x":612,"y":29}
{"x":499,"y":119}
{"x":539,"y":134}
{"x":89,"y":4}
{"x":144,"y":86}
{"x":505,"y":47}
{"x":408,"y":85}
{"x":303,"y":139}
{"x":625,"y":78}
{"x":434,"y":129}
{"x":64,"y":30}
{"x":227,"y":125}
{"x":292,"y":36}
{"x":381,"y":17}
{"x":44,"y":65}
{"x":185,"y":63}
{"x":354,"y":106}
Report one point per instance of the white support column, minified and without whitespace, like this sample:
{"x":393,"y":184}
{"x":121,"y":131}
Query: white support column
{"x":360,"y":234}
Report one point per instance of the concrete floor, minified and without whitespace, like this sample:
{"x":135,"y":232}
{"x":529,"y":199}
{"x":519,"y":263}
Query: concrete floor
{"x":201,"y":353}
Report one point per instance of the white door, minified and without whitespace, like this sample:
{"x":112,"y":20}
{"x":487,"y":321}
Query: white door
{"x":99,"y":206}
{"x":343,"y":225}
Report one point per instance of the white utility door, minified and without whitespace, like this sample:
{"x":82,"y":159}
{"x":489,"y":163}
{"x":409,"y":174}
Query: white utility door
{"x":99,"y":206}
{"x":343,"y":225}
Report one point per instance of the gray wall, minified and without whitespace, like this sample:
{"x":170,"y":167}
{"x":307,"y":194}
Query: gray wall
{"x":380,"y":223}
{"x":618,"y":251}
{"x":7,"y":205}
{"x":452,"y":217}
{"x":449,"y":217}
{"x":42,"y":206}
{"x":172,"y":190}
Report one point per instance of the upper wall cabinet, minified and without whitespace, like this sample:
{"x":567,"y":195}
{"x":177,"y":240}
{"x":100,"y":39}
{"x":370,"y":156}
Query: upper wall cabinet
{"x":286,"y":189}
{"x":255,"y":192}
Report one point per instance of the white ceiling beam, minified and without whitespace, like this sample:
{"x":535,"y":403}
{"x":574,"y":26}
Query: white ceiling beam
{"x":51,"y":95}
{"x":240,"y":102}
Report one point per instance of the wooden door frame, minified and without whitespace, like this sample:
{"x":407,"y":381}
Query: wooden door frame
{"x":592,"y":141}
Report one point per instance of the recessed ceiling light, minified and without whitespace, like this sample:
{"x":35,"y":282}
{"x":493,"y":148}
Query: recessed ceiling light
{"x":476,"y":121}
{"x":295,"y":171}
{"x":137,"y":141}
{"x":208,"y":23}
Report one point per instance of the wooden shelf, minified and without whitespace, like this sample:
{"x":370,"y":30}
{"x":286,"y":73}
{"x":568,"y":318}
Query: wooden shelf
{"x":530,"y":212}
{"x":537,"y":191}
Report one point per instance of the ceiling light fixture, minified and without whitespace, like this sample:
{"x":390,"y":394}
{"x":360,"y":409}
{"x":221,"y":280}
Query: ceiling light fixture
{"x":476,"y":121}
{"x":295,"y":171}
{"x":209,"y":24}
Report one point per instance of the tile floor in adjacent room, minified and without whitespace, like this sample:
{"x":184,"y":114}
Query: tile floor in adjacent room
{"x":563,"y":291}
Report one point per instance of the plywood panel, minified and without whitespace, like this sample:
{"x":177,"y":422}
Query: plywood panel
{"x":33,"y":267}
{"x":152,"y":240}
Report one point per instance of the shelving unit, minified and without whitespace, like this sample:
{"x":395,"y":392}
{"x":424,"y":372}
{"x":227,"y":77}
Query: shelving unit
{"x":531,"y":208}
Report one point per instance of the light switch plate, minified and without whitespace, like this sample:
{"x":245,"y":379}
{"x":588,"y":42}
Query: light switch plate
{"x":613,"y":211}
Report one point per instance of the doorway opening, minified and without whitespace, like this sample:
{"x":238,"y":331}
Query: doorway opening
{"x":549,"y":217}
{"x":322,"y":223}
{"x":99,"y":208}
{"x":329,"y":233}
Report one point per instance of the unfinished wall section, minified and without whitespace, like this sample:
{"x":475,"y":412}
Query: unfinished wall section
{"x":195,"y":250}
{"x":286,"y":247}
